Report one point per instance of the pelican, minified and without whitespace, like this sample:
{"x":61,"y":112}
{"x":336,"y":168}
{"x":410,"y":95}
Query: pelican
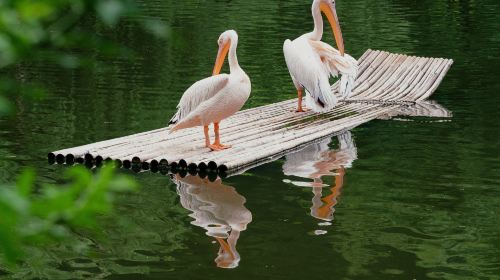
{"x":216,"y":98}
{"x":312,"y":62}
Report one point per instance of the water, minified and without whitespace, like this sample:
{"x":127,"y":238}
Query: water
{"x":392,"y":200}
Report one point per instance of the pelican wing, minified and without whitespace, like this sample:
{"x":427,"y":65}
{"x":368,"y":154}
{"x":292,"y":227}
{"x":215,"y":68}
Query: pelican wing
{"x":335,"y":63}
{"x":198,"y":93}
{"x":308,"y":72}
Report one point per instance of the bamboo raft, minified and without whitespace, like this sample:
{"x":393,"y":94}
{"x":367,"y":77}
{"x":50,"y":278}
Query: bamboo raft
{"x":387,"y":85}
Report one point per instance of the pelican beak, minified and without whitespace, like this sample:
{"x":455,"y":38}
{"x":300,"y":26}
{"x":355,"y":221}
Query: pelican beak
{"x":331,"y":15}
{"x":221,"y":56}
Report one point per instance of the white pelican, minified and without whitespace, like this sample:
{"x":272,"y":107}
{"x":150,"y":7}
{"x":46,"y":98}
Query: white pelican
{"x":312,"y":62}
{"x":215,"y":98}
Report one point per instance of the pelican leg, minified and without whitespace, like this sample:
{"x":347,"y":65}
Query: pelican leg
{"x":207,"y":137}
{"x":217,"y":143}
{"x":207,"y":140}
{"x":300,"y":109}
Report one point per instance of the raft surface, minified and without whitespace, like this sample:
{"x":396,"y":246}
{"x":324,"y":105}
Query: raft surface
{"x":387,"y":84}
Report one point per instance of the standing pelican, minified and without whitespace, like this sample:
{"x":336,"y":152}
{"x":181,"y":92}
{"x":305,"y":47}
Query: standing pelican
{"x":312,"y":62}
{"x":215,"y":98}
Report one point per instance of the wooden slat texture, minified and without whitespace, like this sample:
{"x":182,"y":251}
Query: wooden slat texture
{"x":387,"y":84}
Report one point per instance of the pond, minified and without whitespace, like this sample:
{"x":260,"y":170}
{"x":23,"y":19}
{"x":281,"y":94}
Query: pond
{"x":412,"y":199}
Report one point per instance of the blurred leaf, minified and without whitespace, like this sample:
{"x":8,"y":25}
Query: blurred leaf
{"x":25,"y":182}
{"x":33,"y":11}
{"x":35,"y":219}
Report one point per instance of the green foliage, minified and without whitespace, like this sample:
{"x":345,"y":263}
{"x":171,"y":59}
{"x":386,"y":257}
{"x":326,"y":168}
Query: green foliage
{"x":35,"y":219}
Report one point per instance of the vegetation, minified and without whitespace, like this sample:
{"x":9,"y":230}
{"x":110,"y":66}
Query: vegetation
{"x":28,"y":219}
{"x":49,"y":31}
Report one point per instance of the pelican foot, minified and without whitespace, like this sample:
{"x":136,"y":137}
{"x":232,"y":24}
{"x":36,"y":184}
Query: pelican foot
{"x":219,"y":147}
{"x":301,"y":110}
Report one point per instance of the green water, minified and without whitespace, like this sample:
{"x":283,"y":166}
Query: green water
{"x":418,"y":200}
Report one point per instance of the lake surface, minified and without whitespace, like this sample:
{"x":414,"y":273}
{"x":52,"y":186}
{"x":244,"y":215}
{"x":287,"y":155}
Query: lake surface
{"x":414,"y":199}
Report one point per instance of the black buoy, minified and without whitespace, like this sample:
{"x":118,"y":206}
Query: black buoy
{"x":60,"y":159}
{"x":182,"y":164}
{"x":163,"y":171}
{"x":98,"y":161}
{"x":154,"y":166}
{"x":202,"y":174}
{"x":163,"y":166}
{"x":154,"y":163}
{"x":145,"y":165}
{"x":118,"y":163}
{"x":51,"y":157}
{"x":223,"y":175}
{"x":212,"y":166}
{"x":202,"y":166}
{"x":212,"y":177}
{"x":222,"y":168}
{"x":136,"y":168}
{"x":136,"y":161}
{"x":108,"y":161}
{"x":183,"y":173}
{"x":80,"y":160}
{"x":127,"y":164}
{"x":88,"y":158}
{"x":154,"y":169}
{"x":192,"y":169}
{"x":174,"y":167}
{"x":70,"y":159}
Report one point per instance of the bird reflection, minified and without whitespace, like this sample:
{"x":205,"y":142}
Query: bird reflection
{"x":220,"y":210}
{"x":316,"y":162}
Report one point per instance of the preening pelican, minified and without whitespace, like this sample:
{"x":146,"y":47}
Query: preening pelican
{"x":215,"y":98}
{"x":312,"y":62}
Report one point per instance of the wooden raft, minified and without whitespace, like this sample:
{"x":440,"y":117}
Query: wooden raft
{"x":386,"y":84}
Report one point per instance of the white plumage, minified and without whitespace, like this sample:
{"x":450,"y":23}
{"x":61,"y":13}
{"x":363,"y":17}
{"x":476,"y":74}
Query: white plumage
{"x":195,"y":95}
{"x":215,"y":98}
{"x":311,"y":62}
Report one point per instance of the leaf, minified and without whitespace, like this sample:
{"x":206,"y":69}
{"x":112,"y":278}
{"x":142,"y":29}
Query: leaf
{"x":25,"y":182}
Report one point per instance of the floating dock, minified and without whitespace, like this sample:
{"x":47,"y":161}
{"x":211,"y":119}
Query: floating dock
{"x":387,"y":85}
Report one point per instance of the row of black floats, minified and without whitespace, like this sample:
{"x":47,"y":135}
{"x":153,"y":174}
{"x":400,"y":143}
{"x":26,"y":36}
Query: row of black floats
{"x":137,"y":165}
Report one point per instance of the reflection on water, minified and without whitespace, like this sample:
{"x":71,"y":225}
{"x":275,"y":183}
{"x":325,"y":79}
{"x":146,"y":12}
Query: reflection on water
{"x":316,"y":162}
{"x":219,"y":209}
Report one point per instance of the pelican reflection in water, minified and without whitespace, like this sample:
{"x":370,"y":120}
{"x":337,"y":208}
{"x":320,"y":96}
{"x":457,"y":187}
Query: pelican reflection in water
{"x":316,"y":161}
{"x":220,"y":210}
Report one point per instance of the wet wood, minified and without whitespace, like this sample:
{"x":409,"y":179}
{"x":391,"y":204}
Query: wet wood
{"x":387,"y":85}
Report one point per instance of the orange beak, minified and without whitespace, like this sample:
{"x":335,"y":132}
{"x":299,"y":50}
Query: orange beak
{"x":331,"y":15}
{"x":221,"y":57}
